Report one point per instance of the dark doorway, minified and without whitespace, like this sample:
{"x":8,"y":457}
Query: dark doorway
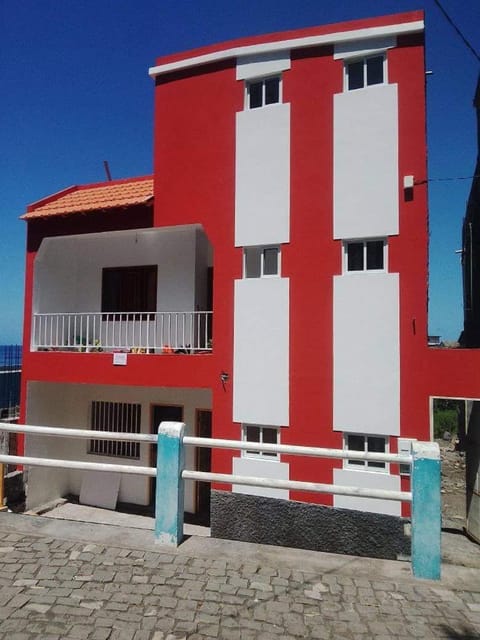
{"x":161,"y":413}
{"x":203,"y":463}
{"x":472,"y":442}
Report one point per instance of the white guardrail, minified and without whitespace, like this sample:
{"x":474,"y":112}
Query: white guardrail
{"x":148,"y":332}
{"x":170,"y":474}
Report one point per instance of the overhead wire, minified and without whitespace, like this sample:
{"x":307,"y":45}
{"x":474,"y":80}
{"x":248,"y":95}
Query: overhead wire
{"x":457,"y":29}
{"x":477,"y":175}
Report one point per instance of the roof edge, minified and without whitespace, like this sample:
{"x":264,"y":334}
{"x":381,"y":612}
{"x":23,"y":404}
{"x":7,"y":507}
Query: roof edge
{"x":32,"y":208}
{"x":47,"y":199}
{"x":78,"y":187}
{"x":38,"y":216}
{"x":396,"y":24}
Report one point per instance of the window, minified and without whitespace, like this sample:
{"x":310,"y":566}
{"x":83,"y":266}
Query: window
{"x":115,"y":416}
{"x":262,"y":435}
{"x":365,"y":255}
{"x":371,"y":444}
{"x":364,"y":72}
{"x":261,"y":262}
{"x":129,"y":289}
{"x":260,"y":93}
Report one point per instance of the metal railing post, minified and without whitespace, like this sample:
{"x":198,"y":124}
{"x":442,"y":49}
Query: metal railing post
{"x":169,"y":494}
{"x":2,"y":485}
{"x":426,"y":511}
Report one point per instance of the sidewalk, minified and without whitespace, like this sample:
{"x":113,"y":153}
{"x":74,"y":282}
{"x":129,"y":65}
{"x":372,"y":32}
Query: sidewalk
{"x":62,"y":579}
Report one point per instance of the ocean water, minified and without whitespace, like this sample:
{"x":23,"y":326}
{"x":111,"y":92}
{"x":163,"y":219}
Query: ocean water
{"x":10,"y":366}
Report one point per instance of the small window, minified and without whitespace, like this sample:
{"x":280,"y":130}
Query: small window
{"x":252,"y":262}
{"x":365,"y":72}
{"x":261,"y":262}
{"x":355,"y":75}
{"x":355,"y":260}
{"x":272,"y":90}
{"x":374,"y":251}
{"x":365,"y":255}
{"x":370,"y":444}
{"x":255,"y":95}
{"x":115,"y":417}
{"x":263,"y":92}
{"x":374,"y":70}
{"x":262,"y":435}
{"x":270,"y":261}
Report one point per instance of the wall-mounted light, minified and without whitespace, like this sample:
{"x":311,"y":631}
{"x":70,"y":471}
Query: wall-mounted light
{"x":408,"y":183}
{"x":224,"y":377}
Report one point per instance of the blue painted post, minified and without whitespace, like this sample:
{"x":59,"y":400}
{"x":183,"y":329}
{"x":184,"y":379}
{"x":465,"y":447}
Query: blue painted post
{"x":170,"y":485}
{"x":426,"y":510}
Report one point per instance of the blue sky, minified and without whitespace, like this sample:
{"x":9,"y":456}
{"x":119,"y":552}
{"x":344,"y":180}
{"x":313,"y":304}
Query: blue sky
{"x":76,"y":91}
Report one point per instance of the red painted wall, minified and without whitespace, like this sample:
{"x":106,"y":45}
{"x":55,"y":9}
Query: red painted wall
{"x":58,"y":367}
{"x":311,"y":259}
{"x":408,"y":252}
{"x":195,"y":181}
{"x":194,"y":162}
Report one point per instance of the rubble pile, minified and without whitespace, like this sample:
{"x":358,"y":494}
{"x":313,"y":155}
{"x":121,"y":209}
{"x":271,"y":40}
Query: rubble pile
{"x":453,"y":485}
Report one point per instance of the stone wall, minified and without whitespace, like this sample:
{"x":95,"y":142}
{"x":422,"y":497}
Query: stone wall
{"x":302,"y":525}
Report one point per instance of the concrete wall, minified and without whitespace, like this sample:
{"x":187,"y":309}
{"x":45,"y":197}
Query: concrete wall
{"x":261,"y":351}
{"x":366,"y":347}
{"x":262,"y":176}
{"x":366,"y":162}
{"x":367,"y":480}
{"x":262,"y":64}
{"x":68,"y":405}
{"x":261,"y":467}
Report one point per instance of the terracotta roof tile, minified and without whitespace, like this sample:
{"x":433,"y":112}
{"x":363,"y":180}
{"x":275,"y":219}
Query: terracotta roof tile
{"x":93,"y":197}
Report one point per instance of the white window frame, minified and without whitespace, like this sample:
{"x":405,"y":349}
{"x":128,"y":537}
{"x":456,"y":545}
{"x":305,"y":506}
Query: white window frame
{"x":364,"y":241}
{"x":364,"y":59}
{"x":261,"y":250}
{"x":365,"y":465}
{"x":262,"y":79}
{"x":260,"y":454}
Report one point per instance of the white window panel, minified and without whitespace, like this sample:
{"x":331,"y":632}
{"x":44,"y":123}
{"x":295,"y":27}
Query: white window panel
{"x":263,"y":435}
{"x":261,"y":262}
{"x":262,"y":92}
{"x":365,"y":72}
{"x":367,"y":444}
{"x":365,"y":255}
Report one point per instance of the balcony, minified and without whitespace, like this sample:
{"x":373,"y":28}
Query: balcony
{"x":166,"y":332}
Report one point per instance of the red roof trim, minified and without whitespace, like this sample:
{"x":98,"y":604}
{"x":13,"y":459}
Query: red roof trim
{"x":351,"y":25}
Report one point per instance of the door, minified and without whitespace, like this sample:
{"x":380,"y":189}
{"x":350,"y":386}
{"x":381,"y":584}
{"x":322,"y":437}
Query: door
{"x":203,"y":463}
{"x":161,"y":413}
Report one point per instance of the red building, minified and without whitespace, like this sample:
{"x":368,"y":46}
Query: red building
{"x":270,"y":284}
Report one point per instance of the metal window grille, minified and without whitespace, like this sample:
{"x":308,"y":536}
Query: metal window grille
{"x":120,"y":417}
{"x":10,"y":370}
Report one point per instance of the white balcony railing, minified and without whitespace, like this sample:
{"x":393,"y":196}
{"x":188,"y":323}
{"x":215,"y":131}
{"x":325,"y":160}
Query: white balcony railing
{"x":156,"y":332}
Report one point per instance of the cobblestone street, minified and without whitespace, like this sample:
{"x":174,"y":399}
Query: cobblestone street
{"x":65,"y":586}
